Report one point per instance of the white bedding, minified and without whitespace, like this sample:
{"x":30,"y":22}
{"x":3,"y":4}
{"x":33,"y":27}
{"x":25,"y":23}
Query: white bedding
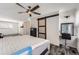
{"x":9,"y":45}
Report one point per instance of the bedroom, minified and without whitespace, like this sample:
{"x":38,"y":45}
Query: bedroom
{"x":17,"y":25}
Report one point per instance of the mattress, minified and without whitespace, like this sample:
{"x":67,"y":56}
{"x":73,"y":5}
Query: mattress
{"x":9,"y":45}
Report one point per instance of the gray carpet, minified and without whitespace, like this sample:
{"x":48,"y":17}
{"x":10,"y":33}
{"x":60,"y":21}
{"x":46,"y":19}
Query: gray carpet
{"x":54,"y":50}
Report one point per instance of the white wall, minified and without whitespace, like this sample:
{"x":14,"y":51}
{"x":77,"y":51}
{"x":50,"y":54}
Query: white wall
{"x":9,"y":27}
{"x":28,"y":26}
{"x":77,"y":21}
{"x":77,"y":25}
{"x":7,"y":31}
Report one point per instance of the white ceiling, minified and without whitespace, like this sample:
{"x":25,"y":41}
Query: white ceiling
{"x":9,"y":10}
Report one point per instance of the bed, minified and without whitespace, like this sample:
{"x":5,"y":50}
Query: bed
{"x":24,"y":45}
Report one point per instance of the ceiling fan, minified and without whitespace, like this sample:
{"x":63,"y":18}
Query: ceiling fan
{"x":29,"y":10}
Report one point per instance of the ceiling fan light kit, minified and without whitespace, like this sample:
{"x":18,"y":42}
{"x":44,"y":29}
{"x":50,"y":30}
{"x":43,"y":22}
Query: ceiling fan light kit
{"x":66,"y":16}
{"x":30,"y":10}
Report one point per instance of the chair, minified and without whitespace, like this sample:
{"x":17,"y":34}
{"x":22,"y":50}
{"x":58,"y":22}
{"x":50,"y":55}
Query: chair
{"x":65,"y":36}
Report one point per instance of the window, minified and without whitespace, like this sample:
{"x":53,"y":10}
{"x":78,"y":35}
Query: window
{"x":6,"y":25}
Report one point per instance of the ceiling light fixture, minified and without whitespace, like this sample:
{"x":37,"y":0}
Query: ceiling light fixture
{"x":66,"y":16}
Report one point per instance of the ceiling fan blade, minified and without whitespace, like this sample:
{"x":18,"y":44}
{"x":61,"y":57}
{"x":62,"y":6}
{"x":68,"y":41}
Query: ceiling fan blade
{"x":36,"y":7}
{"x":36,"y":13}
{"x":20,"y":5}
{"x":21,"y":12}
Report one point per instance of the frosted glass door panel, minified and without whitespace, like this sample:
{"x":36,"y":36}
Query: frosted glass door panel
{"x":42,"y":36}
{"x":42,"y":29}
{"x":41,"y":22}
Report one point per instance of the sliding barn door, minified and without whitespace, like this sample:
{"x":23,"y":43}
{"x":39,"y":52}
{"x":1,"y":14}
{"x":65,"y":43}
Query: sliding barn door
{"x":42,"y":28}
{"x":48,"y":28}
{"x":53,"y":30}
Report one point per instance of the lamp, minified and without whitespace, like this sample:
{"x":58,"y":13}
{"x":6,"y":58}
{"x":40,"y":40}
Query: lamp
{"x":66,"y":16}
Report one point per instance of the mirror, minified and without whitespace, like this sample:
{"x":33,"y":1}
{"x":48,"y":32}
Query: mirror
{"x":67,"y":28}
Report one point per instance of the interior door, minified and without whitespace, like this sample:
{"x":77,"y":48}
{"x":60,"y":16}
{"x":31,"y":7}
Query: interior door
{"x":53,"y":30}
{"x":42,"y":28}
